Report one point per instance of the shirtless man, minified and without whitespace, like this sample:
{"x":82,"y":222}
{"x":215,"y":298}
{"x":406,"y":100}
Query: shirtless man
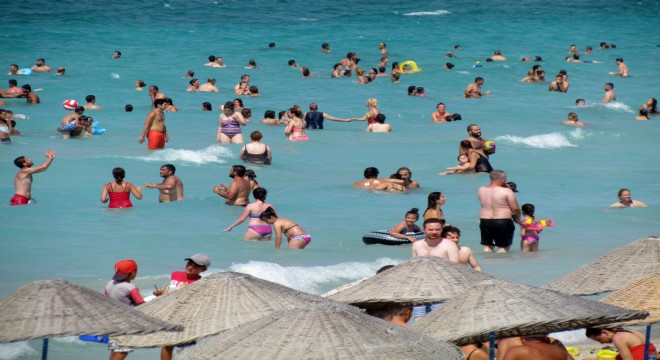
{"x":623,"y":68}
{"x":211,"y":61}
{"x":194,"y":85}
{"x":465,"y":254}
{"x":238,"y":191}
{"x":219,"y":62}
{"x":23,"y":179}
{"x":383,"y":62}
{"x":171,"y":189}
{"x":441,"y":114}
{"x":559,"y":84}
{"x":474,"y":90}
{"x":41,"y":66}
{"x":70,"y":124}
{"x":536,"y":348}
{"x":499,"y":211}
{"x":610,"y":95}
{"x":154,"y":127}
{"x":155,"y":94}
{"x":498,"y":56}
{"x":382,"y":48}
{"x":13,"y":70}
{"x":434,"y":244}
{"x":474,"y":137}
{"x":372,"y":182}
{"x":208,"y":87}
{"x":243,"y":87}
{"x":14,"y":90}
{"x":32,"y":98}
{"x":91,"y":103}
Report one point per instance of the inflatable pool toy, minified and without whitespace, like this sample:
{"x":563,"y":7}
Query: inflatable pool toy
{"x":70,"y":104}
{"x":383,"y":237}
{"x":477,"y":64}
{"x":70,"y":126}
{"x":489,"y":146}
{"x":538,"y":225}
{"x":606,"y":355}
{"x":95,"y":128}
{"x":409,"y":67}
{"x":26,"y":71}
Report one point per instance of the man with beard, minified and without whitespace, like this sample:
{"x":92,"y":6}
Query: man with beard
{"x":23,"y":179}
{"x":238,"y":191}
{"x":171,"y":189}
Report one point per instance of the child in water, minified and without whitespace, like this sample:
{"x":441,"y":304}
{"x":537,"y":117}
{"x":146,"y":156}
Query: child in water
{"x":463,"y":166}
{"x":407,"y":226}
{"x":531,"y":227}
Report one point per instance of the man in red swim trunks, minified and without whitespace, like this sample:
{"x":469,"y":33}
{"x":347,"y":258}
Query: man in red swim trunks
{"x":23,"y":179}
{"x":154,"y":127}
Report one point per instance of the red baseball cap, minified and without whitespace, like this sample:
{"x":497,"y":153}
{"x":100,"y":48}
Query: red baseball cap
{"x":124,"y":268}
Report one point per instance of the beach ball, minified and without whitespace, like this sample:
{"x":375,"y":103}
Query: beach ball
{"x":70,"y":104}
{"x":489,"y":146}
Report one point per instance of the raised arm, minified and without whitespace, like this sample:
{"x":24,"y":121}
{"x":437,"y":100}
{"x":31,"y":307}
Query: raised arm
{"x":136,"y":191}
{"x":243,"y":217}
{"x":50,"y":155}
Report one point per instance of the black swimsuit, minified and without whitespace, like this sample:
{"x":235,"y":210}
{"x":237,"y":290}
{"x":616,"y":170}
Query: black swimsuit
{"x":256,"y":158}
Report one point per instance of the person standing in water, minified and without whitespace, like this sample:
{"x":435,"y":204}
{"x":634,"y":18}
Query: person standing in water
{"x":171,"y":189}
{"x":23,"y":179}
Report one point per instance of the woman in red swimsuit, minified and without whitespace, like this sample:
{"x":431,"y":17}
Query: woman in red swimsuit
{"x":119,"y":191}
{"x":629,"y":343}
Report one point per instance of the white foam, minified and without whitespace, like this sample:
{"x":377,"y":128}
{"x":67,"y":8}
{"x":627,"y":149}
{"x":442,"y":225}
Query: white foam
{"x":15,"y":350}
{"x":214,"y":154}
{"x":543,"y":141}
{"x":428,"y":13}
{"x":577,"y":134}
{"x":314,"y":279}
{"x":618,"y":106}
{"x":115,"y":76}
{"x":307,"y":19}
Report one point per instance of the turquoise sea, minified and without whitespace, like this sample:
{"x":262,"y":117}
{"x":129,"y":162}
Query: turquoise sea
{"x":569,"y":174}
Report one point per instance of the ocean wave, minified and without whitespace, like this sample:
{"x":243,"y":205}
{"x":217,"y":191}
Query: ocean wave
{"x":428,"y":13}
{"x":307,"y":19}
{"x":214,"y":154}
{"x":314,"y":279}
{"x":543,"y":141}
{"x":16,"y":350}
{"x":618,"y":106}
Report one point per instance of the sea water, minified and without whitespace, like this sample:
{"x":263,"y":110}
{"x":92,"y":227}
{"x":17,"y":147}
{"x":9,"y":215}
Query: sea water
{"x":569,"y":174}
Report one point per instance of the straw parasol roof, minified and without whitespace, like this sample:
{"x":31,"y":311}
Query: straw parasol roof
{"x":55,"y":308}
{"x":416,"y":281}
{"x":614,"y":270}
{"x":321,"y":332}
{"x":510,"y":309}
{"x":643,"y":294}
{"x":216,"y":303}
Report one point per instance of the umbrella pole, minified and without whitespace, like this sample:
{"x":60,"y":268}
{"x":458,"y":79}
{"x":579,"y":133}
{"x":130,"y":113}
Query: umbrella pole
{"x":491,"y":340}
{"x":648,"y":341}
{"x":44,"y":350}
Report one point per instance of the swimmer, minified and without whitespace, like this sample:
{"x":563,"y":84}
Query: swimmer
{"x":643,"y":114}
{"x":560,"y":84}
{"x":420,"y":91}
{"x":116,"y":55}
{"x":189,"y":74}
{"x":474,"y":90}
{"x":169,"y":106}
{"x":626,"y":201}
{"x":242,"y":88}
{"x":441,"y":114}
{"x":194,"y":85}
{"x":465,"y":255}
{"x":229,"y":125}
{"x":652,"y":105}
{"x":530,"y":228}
{"x":209,"y":86}
{"x":383,"y":61}
{"x":297,"y":237}
{"x":13,"y":70}
{"x":325,"y":47}
{"x":449,"y":66}
{"x":139,"y":85}
{"x":382,"y":48}
{"x":435,"y":200}
{"x":337,"y":70}
{"x":412,"y":90}
{"x":70,"y":124}
{"x":154,"y":127}
{"x":379,"y":125}
{"x":251,"y":64}
{"x":610,"y":95}
{"x":305,"y":72}
{"x":497,"y":56}
{"x":269,"y":118}
{"x":580,"y":102}
{"x":31,"y":97}
{"x":573,"y":120}
{"x":238,"y":192}
{"x":463,"y":166}
{"x":573,"y":50}
{"x":403,"y":173}
{"x":206,"y":106}
{"x":370,"y":116}
{"x":372,"y":182}
{"x":211,"y":61}
{"x":257,"y":228}
{"x":623,"y":69}
{"x":407,"y":226}
{"x":219,"y":63}
{"x":293,"y":63}
{"x":91,"y":103}
{"x":154,"y":93}
{"x":295,"y":127}
{"x":23,"y":179}
{"x":41,"y":66}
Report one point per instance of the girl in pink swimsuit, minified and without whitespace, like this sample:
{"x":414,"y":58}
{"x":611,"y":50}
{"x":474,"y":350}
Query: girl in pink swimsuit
{"x":295,"y":128}
{"x":298,"y":238}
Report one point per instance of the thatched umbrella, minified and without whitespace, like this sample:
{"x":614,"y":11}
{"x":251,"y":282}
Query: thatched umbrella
{"x":55,"y":308}
{"x":614,"y":270}
{"x":216,"y":303}
{"x":643,"y":295}
{"x":321,"y":332}
{"x":510,"y":309}
{"x":416,"y":281}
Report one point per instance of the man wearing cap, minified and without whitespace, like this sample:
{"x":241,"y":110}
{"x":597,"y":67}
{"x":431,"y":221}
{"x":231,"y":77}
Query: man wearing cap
{"x":195,"y":265}
{"x":121,"y":289}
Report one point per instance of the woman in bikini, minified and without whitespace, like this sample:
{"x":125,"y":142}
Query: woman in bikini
{"x":229,"y":129}
{"x":629,"y":343}
{"x":295,"y":128}
{"x":297,"y":237}
{"x":433,"y":210}
{"x":257,"y":228}
{"x":119,"y":191}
